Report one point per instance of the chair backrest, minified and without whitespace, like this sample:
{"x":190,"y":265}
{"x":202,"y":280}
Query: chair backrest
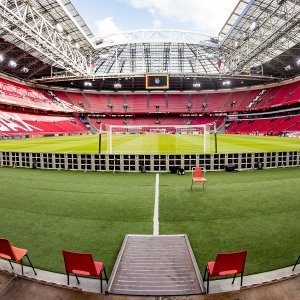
{"x":75,"y":261}
{"x":230,"y":261}
{"x":5,"y":250}
{"x":197,"y":172}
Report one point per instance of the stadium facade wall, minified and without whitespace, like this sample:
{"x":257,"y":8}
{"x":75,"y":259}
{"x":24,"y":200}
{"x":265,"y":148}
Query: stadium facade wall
{"x":152,"y":163}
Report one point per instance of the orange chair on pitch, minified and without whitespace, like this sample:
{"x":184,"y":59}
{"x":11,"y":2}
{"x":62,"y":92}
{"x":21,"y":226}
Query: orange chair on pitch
{"x":198,"y":176}
{"x":11,"y":253}
{"x":83,"y":264}
{"x":226,"y":264}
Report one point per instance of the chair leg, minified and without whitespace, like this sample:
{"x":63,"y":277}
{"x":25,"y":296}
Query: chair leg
{"x":11,"y":264}
{"x":106,"y":279}
{"x":68,"y":276}
{"x":207,"y":286}
{"x":77,"y":279}
{"x":22,"y":266}
{"x":296,"y":263}
{"x":233,"y":278}
{"x":101,"y":282}
{"x":204,"y":273}
{"x":30,"y":264}
{"x":242,"y":279}
{"x":192,"y":185}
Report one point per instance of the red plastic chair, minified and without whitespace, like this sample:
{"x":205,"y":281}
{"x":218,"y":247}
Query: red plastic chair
{"x":198,"y":176}
{"x":83,"y":264}
{"x":11,"y":253}
{"x":226,"y":264}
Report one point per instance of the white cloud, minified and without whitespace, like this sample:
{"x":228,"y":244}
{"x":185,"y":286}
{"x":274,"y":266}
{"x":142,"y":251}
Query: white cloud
{"x":152,"y":11}
{"x":156,"y":23}
{"x":106,"y":27}
{"x":207,"y":16}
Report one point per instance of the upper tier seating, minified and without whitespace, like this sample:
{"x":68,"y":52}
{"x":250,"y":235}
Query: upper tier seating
{"x":16,"y":94}
{"x":12,"y":93}
{"x":232,"y":101}
{"x":136,"y":103}
{"x":177,"y":103}
{"x":15,"y":123}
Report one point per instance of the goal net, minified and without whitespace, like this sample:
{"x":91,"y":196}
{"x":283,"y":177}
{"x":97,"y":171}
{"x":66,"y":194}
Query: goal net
{"x":156,"y":139}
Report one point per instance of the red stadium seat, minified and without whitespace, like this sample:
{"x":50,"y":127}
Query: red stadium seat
{"x":198,"y":177}
{"x":226,"y":264}
{"x":83,"y":264}
{"x":11,"y":253}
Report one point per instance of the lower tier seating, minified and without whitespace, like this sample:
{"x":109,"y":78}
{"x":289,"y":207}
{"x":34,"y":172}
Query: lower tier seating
{"x":17,"y":123}
{"x":265,"y":126}
{"x":144,"y":121}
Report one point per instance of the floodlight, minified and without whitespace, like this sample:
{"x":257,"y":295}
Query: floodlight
{"x":1,"y":58}
{"x":25,"y":70}
{"x":288,"y":68}
{"x":236,"y":44}
{"x":77,"y":45}
{"x":298,"y":62}
{"x":117,"y":85}
{"x":245,"y":36}
{"x":226,"y":83}
{"x":12,"y":63}
{"x":253,"y":26}
{"x":58,"y":27}
{"x":87,"y":83}
{"x":196,"y":84}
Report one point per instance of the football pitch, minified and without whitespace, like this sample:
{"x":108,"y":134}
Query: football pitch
{"x":47,"y":211}
{"x":152,"y":144}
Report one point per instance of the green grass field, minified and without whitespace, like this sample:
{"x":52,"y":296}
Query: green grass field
{"x":149,"y":144}
{"x":47,"y":211}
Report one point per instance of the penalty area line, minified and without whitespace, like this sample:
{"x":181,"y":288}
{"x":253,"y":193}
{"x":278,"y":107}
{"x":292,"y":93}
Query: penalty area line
{"x":156,"y":207}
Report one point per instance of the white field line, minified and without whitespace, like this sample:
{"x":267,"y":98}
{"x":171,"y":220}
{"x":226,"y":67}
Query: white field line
{"x":156,"y":207}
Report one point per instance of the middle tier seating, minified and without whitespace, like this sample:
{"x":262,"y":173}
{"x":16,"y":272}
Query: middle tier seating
{"x":265,"y":126}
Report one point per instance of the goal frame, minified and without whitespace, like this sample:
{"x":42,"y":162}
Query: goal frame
{"x":208,"y":128}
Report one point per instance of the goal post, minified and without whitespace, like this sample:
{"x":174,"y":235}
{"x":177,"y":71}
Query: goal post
{"x":157,"y":139}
